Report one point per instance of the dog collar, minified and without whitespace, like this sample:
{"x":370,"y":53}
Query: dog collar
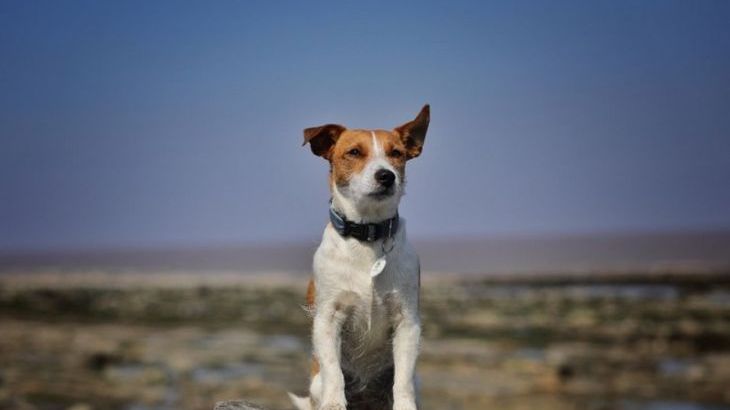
{"x":364,"y":232}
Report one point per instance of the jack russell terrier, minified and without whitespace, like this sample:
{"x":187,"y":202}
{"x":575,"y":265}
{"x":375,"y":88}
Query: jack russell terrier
{"x":364,"y":291}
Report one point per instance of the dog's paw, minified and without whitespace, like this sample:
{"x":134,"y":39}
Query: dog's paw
{"x":333,"y":396}
{"x":404,"y":403}
{"x":404,"y":406}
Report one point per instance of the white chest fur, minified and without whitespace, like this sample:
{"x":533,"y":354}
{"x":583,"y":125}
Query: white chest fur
{"x":344,"y":265}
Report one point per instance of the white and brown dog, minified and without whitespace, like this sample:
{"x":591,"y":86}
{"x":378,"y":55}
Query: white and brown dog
{"x":364,"y":292}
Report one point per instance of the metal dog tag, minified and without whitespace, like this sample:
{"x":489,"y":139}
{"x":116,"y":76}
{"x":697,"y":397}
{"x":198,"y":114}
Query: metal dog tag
{"x":378,"y":267}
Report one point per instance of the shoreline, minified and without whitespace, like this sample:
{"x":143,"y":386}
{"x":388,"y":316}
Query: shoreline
{"x":99,"y":278}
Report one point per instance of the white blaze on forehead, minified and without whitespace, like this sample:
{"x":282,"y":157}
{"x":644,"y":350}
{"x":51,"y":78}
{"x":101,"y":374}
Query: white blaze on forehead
{"x":377,"y":148}
{"x":379,"y":159}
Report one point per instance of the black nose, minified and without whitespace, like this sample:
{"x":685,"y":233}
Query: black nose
{"x":385,"y":177}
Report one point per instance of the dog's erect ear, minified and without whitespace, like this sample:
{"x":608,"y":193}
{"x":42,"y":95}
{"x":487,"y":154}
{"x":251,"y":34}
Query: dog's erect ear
{"x":321,"y":139}
{"x":413,"y":133}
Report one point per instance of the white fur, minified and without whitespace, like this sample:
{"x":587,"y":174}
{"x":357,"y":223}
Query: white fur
{"x":354,"y":312}
{"x":301,"y":403}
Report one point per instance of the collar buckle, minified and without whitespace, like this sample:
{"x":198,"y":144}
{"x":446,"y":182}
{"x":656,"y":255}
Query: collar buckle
{"x":371,"y":232}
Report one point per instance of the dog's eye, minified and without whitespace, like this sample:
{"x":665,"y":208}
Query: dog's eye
{"x":354,"y":152}
{"x":396,"y":153}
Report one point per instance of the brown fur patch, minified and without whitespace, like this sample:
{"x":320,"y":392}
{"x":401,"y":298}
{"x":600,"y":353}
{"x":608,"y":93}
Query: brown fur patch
{"x":413,"y":133}
{"x":314,"y":367}
{"x":311,"y":293}
{"x":344,"y":163}
{"x":321,"y":139}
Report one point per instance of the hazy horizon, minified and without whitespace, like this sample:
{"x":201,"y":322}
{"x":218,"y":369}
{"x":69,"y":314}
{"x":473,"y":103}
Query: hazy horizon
{"x":688,"y":252}
{"x":315,"y":238}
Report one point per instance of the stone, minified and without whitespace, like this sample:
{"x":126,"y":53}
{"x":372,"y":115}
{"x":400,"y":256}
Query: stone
{"x":237,"y":405}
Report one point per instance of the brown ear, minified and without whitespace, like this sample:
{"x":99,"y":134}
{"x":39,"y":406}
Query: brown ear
{"x":413,"y":134}
{"x":322,"y":139}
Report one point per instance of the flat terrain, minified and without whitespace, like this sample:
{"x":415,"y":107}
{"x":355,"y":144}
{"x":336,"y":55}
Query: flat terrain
{"x":147,"y":341}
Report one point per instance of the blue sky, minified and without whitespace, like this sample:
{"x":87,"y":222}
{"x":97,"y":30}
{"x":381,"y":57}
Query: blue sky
{"x":179,"y":123}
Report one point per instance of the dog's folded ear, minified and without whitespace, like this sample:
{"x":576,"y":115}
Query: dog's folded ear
{"x":321,"y":139}
{"x":413,"y":134}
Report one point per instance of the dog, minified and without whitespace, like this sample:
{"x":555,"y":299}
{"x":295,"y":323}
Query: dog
{"x":365,"y":288}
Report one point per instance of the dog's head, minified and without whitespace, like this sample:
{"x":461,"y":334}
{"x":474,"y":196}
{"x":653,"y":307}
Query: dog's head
{"x":367,"y":167}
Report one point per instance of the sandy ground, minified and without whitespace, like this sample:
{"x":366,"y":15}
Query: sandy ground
{"x":144,"y":341}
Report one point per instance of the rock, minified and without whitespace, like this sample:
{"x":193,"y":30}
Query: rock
{"x":80,"y":406}
{"x":236,"y":405}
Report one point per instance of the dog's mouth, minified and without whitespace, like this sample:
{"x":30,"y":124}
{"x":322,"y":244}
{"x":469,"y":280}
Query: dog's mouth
{"x":382,"y":193}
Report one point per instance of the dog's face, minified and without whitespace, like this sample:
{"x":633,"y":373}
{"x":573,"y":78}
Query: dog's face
{"x":367,"y":168}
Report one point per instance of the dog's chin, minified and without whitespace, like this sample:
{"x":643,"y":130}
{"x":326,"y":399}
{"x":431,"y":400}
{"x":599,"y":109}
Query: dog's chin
{"x":382,"y":194}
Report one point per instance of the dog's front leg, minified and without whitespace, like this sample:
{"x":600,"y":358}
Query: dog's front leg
{"x":405,"y":351}
{"x":327,"y":341}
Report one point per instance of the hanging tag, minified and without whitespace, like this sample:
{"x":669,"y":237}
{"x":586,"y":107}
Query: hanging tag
{"x":378,"y":267}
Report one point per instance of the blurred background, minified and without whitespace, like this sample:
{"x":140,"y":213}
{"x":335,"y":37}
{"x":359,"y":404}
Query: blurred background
{"x":571,"y":208}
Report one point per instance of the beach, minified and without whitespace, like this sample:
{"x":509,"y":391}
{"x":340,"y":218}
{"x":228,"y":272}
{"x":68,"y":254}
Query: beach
{"x":172,"y":340}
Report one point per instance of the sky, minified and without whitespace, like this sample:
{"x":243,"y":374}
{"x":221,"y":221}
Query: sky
{"x":170,"y":123}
